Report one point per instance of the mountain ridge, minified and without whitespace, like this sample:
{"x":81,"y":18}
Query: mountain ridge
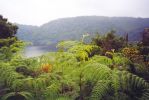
{"x":74,"y":27}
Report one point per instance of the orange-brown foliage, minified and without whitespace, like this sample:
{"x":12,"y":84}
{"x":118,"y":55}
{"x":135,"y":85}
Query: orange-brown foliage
{"x":46,"y":68}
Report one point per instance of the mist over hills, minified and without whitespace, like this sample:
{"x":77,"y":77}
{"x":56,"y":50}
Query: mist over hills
{"x":75,"y":27}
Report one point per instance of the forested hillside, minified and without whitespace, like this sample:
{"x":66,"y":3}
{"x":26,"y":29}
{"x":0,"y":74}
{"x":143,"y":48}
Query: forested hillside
{"x":73,"y":28}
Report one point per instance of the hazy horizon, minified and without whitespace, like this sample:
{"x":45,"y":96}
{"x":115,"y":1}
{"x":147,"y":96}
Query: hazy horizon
{"x":38,"y":12}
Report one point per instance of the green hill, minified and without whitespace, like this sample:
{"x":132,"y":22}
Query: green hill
{"x":74,"y":27}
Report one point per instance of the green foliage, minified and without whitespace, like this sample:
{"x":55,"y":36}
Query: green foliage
{"x":7,"y":29}
{"x":17,"y":95}
{"x":83,"y":52}
{"x":121,"y":62}
{"x":77,"y":72}
{"x":7,"y":53}
{"x":109,"y":41}
{"x":73,"y":28}
{"x":70,"y":79}
{"x":145,"y":37}
{"x":65,"y":45}
{"x":102,"y":60}
{"x":9,"y":44}
{"x":133,"y":54}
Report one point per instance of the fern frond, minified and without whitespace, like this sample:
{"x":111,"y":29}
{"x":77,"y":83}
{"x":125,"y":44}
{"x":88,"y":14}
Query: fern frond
{"x":24,"y":94}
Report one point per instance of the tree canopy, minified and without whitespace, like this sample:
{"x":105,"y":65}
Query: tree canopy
{"x":109,"y":41}
{"x":7,"y":32}
{"x":7,"y":29}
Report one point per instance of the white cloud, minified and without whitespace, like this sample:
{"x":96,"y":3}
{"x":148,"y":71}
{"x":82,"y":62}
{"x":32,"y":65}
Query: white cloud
{"x":37,"y":12}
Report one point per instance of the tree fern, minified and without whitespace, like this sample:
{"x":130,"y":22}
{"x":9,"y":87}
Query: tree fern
{"x":23,"y":94}
{"x":67,"y":44}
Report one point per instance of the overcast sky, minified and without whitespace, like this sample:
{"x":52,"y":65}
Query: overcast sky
{"x":37,"y":12}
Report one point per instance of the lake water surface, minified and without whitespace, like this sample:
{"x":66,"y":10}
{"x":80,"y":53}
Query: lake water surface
{"x":34,"y":51}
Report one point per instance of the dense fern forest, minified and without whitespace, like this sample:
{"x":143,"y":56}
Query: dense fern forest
{"x":107,"y":68}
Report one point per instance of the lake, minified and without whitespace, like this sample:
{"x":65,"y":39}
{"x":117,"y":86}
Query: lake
{"x":34,"y":51}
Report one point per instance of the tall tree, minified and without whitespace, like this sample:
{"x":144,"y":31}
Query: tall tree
{"x":109,"y":41}
{"x":9,"y":44}
{"x":7,"y":32}
{"x":145,"y":46}
{"x":145,"y":37}
{"x":7,"y":29}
